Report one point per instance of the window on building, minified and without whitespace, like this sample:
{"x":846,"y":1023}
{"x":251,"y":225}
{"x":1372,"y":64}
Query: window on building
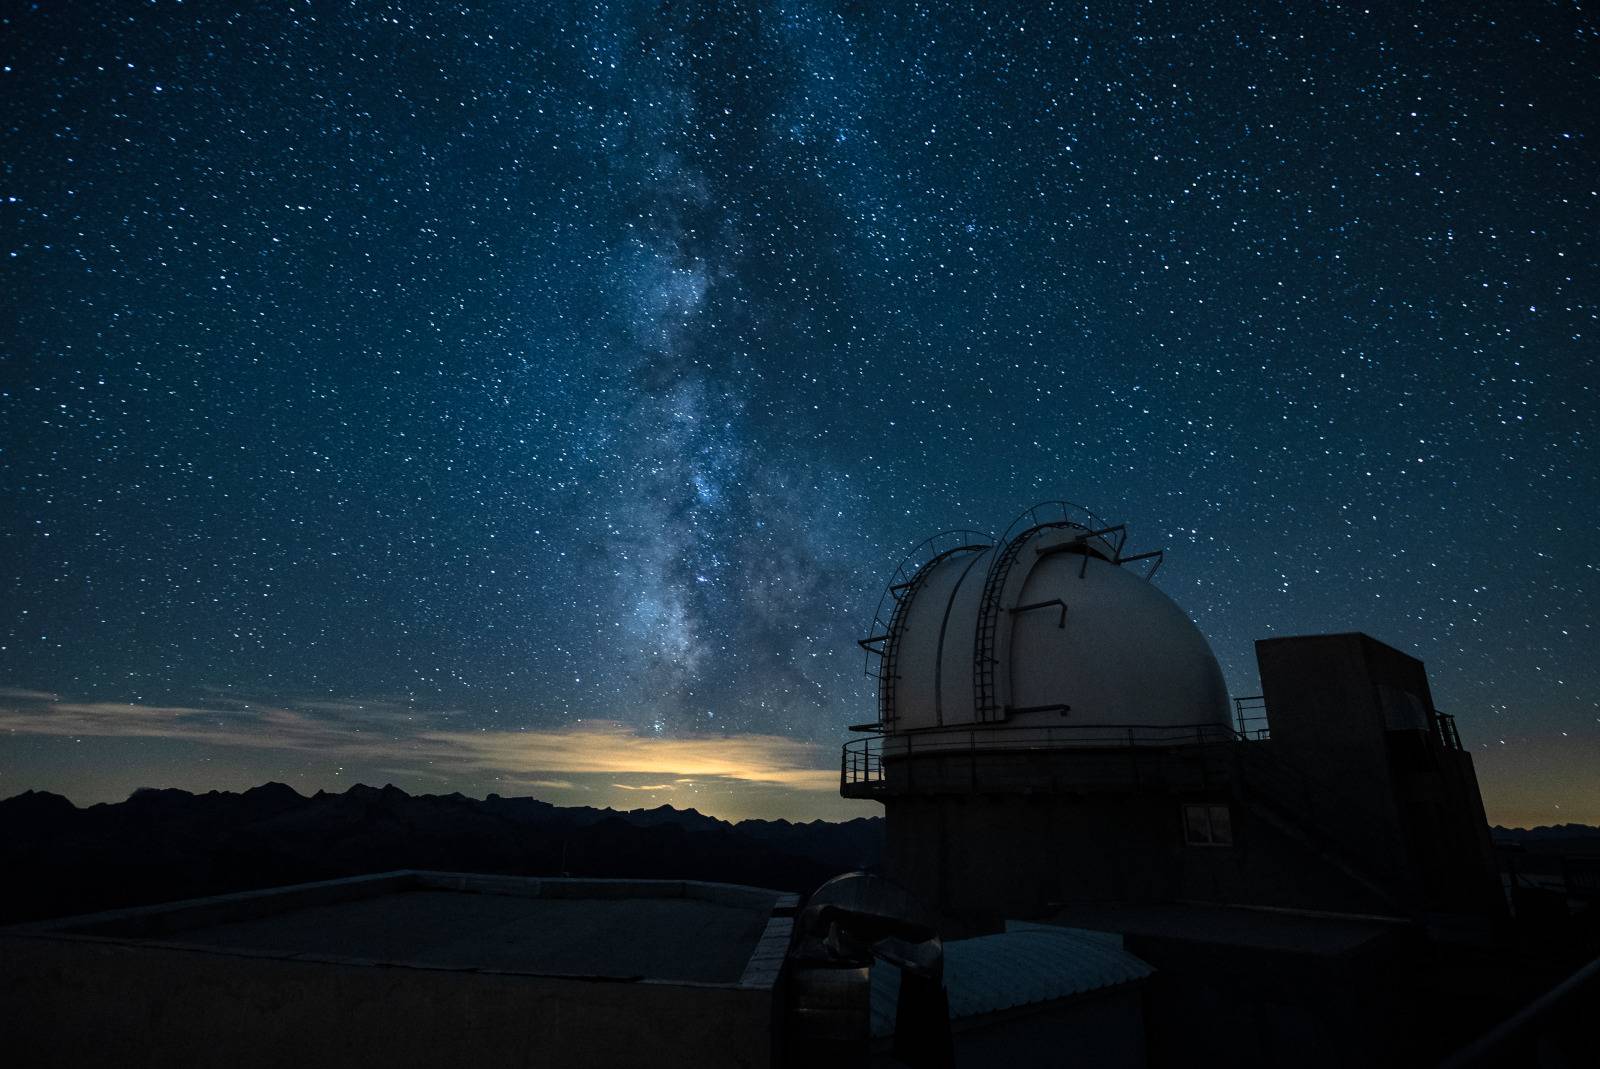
{"x":1207,"y":824}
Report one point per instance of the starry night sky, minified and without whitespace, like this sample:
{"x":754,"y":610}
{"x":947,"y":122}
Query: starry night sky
{"x":535,"y":397}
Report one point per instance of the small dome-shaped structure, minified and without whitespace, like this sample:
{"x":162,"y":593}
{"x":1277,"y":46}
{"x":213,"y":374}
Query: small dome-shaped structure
{"x":1051,"y":626}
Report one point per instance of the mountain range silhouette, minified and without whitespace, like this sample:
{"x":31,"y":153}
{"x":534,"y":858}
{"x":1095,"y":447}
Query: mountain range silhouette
{"x":165,"y":844}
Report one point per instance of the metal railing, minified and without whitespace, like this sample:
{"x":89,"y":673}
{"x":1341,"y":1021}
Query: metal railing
{"x":1444,"y":729}
{"x":1251,"y":721}
{"x":1250,"y":718}
{"x":1317,"y":808}
{"x":861,"y":761}
{"x":1558,"y":1028}
{"x":1046,"y":514}
{"x":930,"y":550}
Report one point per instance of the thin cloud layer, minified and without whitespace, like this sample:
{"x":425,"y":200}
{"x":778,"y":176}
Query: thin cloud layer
{"x":425,"y":744}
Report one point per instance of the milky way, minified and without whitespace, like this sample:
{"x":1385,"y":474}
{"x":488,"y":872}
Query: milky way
{"x":523,"y":366}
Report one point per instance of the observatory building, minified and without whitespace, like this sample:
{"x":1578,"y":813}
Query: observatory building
{"x":1054,"y":730}
{"x":1054,"y":742}
{"x":1093,"y":856}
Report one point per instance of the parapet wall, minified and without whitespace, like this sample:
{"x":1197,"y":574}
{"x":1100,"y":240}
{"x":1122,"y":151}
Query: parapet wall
{"x":103,"y":1003}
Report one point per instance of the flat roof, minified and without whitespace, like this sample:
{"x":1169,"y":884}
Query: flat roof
{"x":665,"y":930}
{"x":1024,"y":965}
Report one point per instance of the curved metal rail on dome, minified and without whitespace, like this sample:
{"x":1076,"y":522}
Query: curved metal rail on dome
{"x":1017,"y":533}
{"x":888,"y":620}
{"x":1044,"y":514}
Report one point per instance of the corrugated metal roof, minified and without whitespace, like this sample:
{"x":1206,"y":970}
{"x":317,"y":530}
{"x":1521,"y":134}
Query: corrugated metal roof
{"x":1026,"y":963}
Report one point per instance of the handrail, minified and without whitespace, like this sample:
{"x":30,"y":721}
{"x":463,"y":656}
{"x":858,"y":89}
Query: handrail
{"x":861,"y":760}
{"x":1071,"y":514}
{"x":928,"y":551}
{"x":1210,"y":732}
{"x":985,"y":660}
{"x":1545,"y":1032}
{"x":1299,"y":795}
{"x":1250,"y":717}
{"x":1444,"y":730}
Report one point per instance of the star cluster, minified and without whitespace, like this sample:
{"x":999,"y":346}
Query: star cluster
{"x":555,"y":362}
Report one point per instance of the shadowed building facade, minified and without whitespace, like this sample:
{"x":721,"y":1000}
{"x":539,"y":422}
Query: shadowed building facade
{"x":1054,"y":742}
{"x":1054,"y":731}
{"x":1090,"y":853}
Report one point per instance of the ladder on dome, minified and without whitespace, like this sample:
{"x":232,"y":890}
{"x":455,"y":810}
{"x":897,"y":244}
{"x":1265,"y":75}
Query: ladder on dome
{"x":889,"y":664}
{"x":984,"y":661}
{"x":907,"y":580}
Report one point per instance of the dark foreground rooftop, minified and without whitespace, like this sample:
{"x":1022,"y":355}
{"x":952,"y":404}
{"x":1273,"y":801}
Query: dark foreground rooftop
{"x":407,"y":969}
{"x":665,"y":938}
{"x":669,"y":930}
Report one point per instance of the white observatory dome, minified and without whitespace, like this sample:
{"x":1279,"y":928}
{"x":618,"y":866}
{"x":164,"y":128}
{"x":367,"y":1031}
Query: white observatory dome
{"x":1050,"y":627}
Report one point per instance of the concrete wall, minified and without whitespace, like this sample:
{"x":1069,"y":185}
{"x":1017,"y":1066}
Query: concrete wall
{"x":1350,"y":807}
{"x":1215,"y":1004}
{"x":90,"y":1002}
{"x":1355,"y":715}
{"x":1447,"y":834}
{"x":1327,"y":721}
{"x":979,"y":857}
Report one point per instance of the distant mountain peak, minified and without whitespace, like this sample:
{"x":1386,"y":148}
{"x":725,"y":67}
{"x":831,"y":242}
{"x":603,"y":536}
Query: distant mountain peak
{"x":171,"y":844}
{"x":160,"y":793}
{"x":33,"y":803}
{"x":273,"y":789}
{"x":1547,"y":831}
{"x":388,"y":791}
